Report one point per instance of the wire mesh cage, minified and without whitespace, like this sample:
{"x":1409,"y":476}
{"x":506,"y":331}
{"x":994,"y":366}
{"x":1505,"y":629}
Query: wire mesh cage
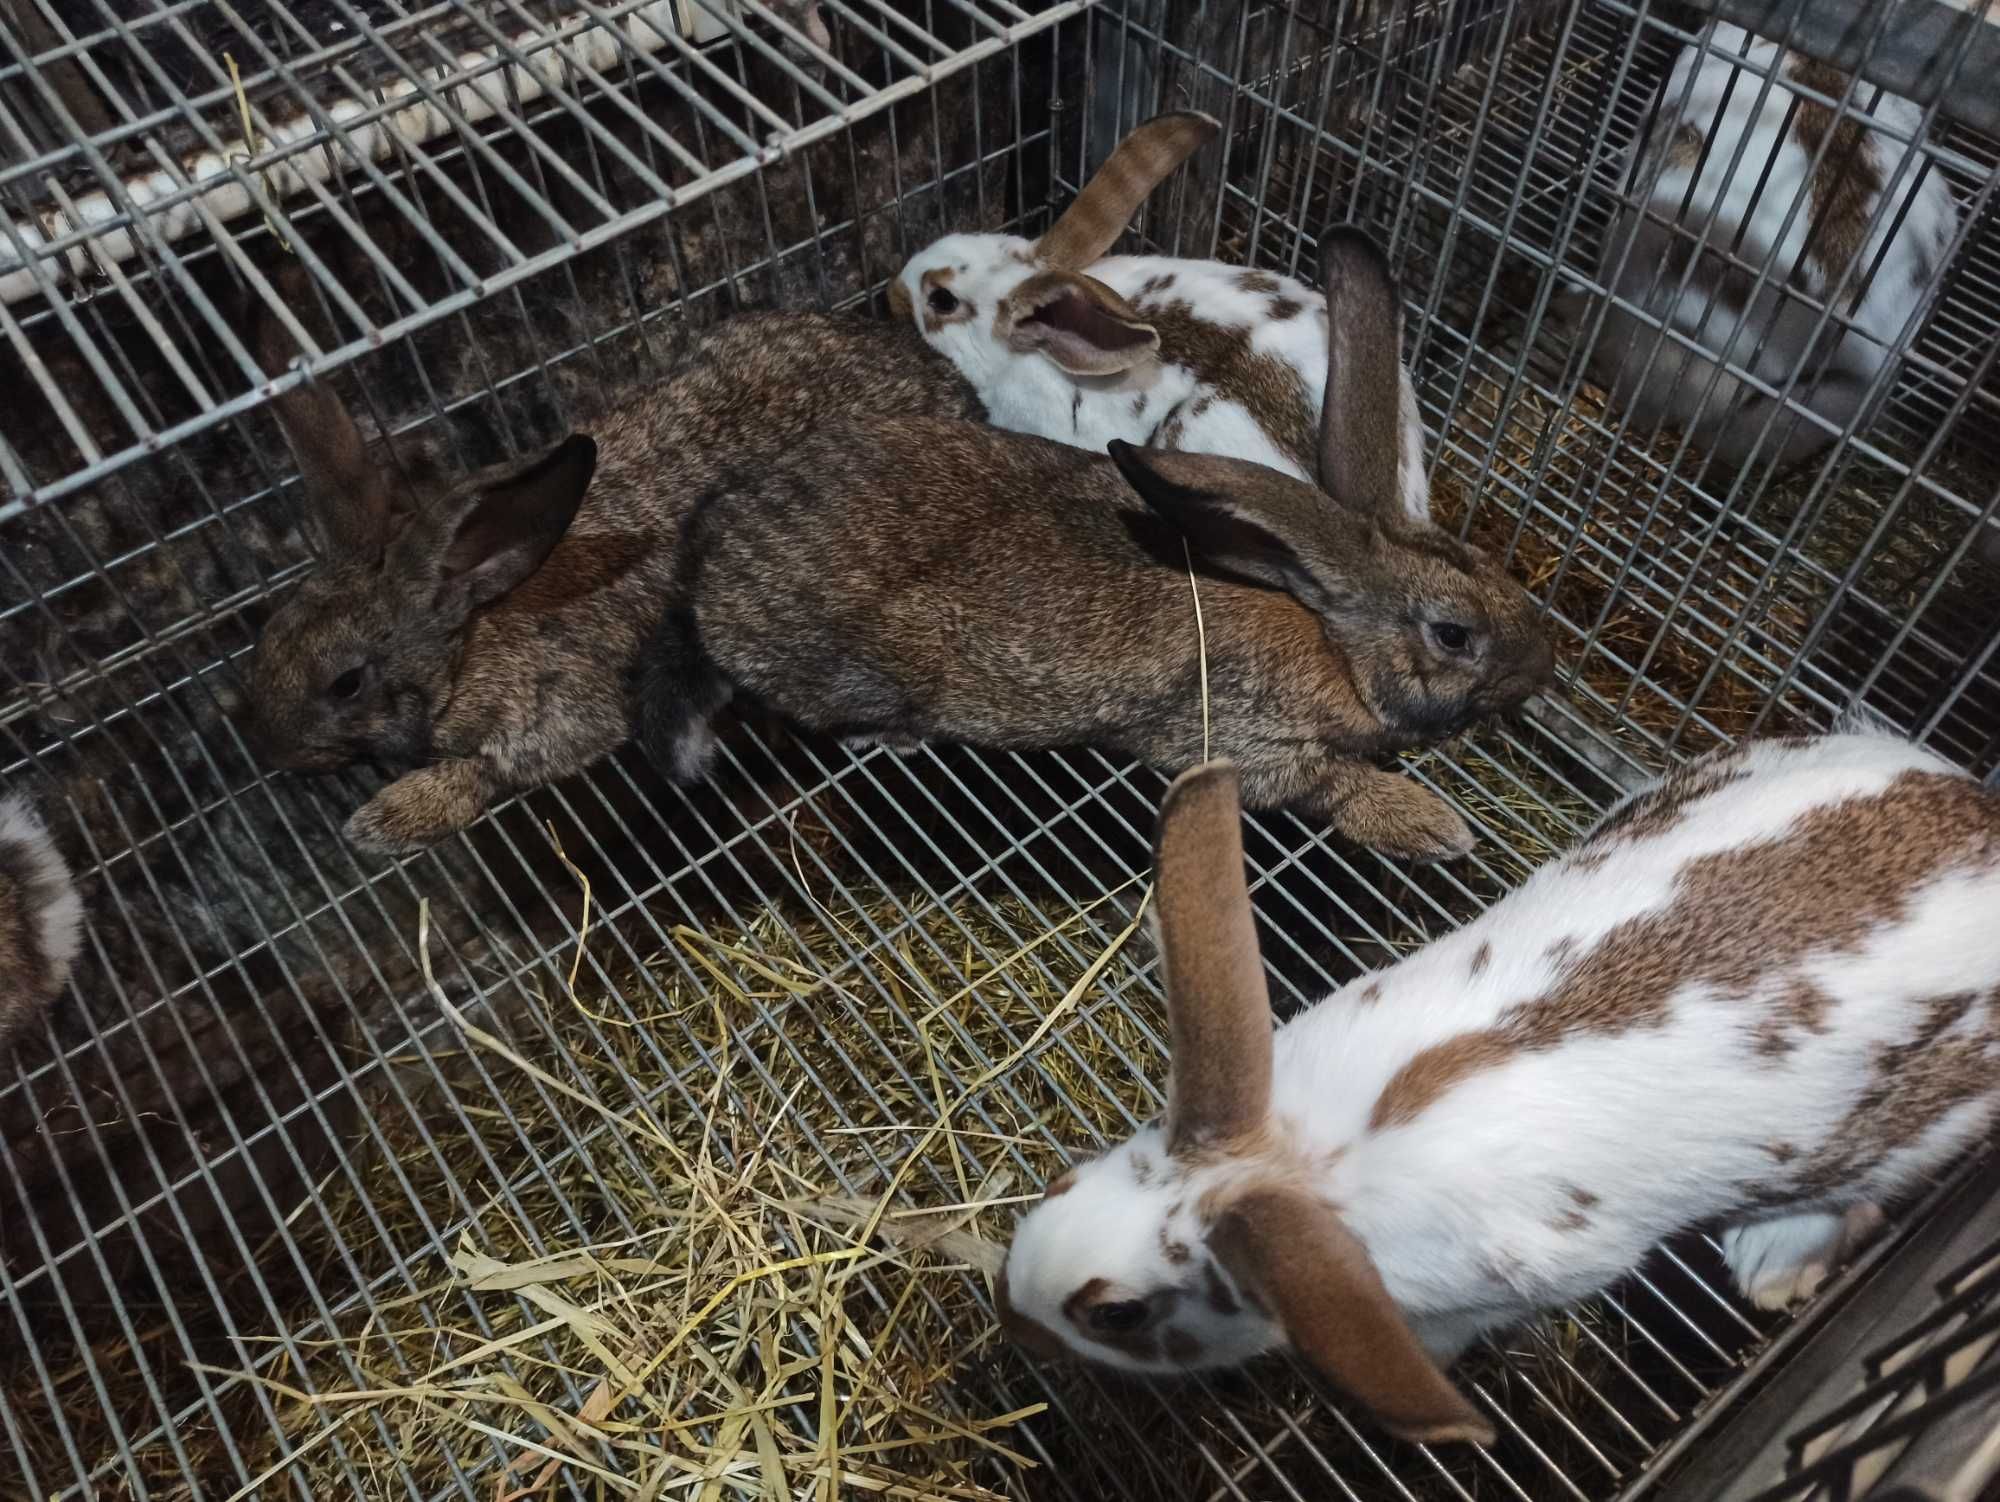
{"x":644,"y":1142}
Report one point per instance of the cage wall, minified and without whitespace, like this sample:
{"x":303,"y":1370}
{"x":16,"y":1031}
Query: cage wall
{"x":331,"y":1175}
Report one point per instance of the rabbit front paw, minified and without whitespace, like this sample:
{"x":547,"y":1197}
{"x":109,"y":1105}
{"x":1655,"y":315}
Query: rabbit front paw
{"x":417,"y":810}
{"x":1781,"y":1262}
{"x":1394,"y":816}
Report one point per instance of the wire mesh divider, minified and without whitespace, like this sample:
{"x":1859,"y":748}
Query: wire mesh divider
{"x":254,"y":1038}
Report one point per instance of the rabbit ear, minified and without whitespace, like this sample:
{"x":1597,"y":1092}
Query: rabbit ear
{"x":1248,"y":519}
{"x":1091,"y":226}
{"x":1078,"y":322}
{"x":1360,"y":432}
{"x":349,"y":500}
{"x":509,"y":520}
{"x":1293,"y":1254}
{"x":1218,"y":1011}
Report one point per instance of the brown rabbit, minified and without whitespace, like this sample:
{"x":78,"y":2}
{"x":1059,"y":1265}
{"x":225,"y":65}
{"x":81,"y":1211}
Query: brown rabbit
{"x":484,"y":637}
{"x":905,"y":578}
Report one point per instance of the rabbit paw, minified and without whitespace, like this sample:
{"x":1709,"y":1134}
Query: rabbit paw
{"x":417,"y":810}
{"x":1395,"y":816}
{"x":1778,"y":1263}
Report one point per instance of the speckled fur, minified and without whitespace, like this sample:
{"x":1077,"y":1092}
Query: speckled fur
{"x":534,"y":686}
{"x":925,"y":578}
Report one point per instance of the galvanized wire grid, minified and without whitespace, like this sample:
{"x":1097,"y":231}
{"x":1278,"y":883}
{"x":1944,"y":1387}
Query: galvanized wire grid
{"x":250,"y":1025}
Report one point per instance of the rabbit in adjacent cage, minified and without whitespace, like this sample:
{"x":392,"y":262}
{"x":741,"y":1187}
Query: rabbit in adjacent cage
{"x":1740,"y":178}
{"x":1066,"y":342}
{"x":1761,"y":994}
{"x":905,"y":579}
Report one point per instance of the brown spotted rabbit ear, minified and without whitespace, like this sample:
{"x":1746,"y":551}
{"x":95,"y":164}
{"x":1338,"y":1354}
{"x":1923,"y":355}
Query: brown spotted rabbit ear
{"x":1092,"y":224}
{"x":1250,"y":520}
{"x":1078,"y":322}
{"x":1360,"y":433}
{"x":350,"y":502}
{"x":1292,"y":1252}
{"x":1218,"y":1010}
{"x":501,"y":526}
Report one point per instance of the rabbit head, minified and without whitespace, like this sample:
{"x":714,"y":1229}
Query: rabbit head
{"x":1203,"y":1241}
{"x":1436,"y":633}
{"x":358,"y":662}
{"x":985,"y":299}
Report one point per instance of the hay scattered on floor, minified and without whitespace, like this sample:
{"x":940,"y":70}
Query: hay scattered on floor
{"x":765,"y":1277}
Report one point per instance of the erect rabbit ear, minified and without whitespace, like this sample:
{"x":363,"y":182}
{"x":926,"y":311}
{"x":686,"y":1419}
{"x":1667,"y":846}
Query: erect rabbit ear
{"x":1246,"y":518}
{"x":1092,"y":224}
{"x":348,"y":499}
{"x":1293,"y":1255}
{"x":1218,"y":1011}
{"x":1360,"y":431}
{"x":1078,"y":322}
{"x":508,"y":521}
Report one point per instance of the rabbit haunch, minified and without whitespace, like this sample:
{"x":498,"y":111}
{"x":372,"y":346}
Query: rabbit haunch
{"x":1740,"y":175}
{"x":1065,"y":342}
{"x":488,"y":631}
{"x":1763,"y":995}
{"x":907,"y":578}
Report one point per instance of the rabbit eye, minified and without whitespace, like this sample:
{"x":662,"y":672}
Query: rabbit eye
{"x":942,"y":301}
{"x":1450,"y":636}
{"x":346,"y":686}
{"x":1118,"y":1319}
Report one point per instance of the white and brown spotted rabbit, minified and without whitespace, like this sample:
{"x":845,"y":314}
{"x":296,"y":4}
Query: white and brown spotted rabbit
{"x":1737,"y":176}
{"x":1066,"y":341}
{"x":1763,"y":995}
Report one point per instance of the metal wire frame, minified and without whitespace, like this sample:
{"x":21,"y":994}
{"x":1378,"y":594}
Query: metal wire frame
{"x":737,"y":129}
{"x":1483,"y":172}
{"x":943,"y":832}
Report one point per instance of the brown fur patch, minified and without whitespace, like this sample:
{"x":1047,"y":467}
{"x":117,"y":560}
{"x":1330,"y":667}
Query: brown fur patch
{"x":1174,"y":1251}
{"x":1142,"y":1169}
{"x":1570,"y":1220}
{"x":1738,"y":917}
{"x":1583,"y":1199}
{"x":1482,"y":957}
{"x":1434,"y":1071}
{"x":1257,"y":281}
{"x":1065,"y":1182}
{"x":1914,"y":1084}
{"x":1285,"y":309}
{"x":1848,"y":177}
{"x":1781,"y":1152}
{"x":1273,"y":393}
{"x":1372,"y":992}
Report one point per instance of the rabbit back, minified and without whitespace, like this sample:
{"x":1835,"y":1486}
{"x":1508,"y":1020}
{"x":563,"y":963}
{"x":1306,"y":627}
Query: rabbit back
{"x":1768,"y":987}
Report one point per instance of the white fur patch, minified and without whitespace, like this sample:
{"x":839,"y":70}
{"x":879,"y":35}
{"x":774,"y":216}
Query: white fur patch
{"x":51,"y":896}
